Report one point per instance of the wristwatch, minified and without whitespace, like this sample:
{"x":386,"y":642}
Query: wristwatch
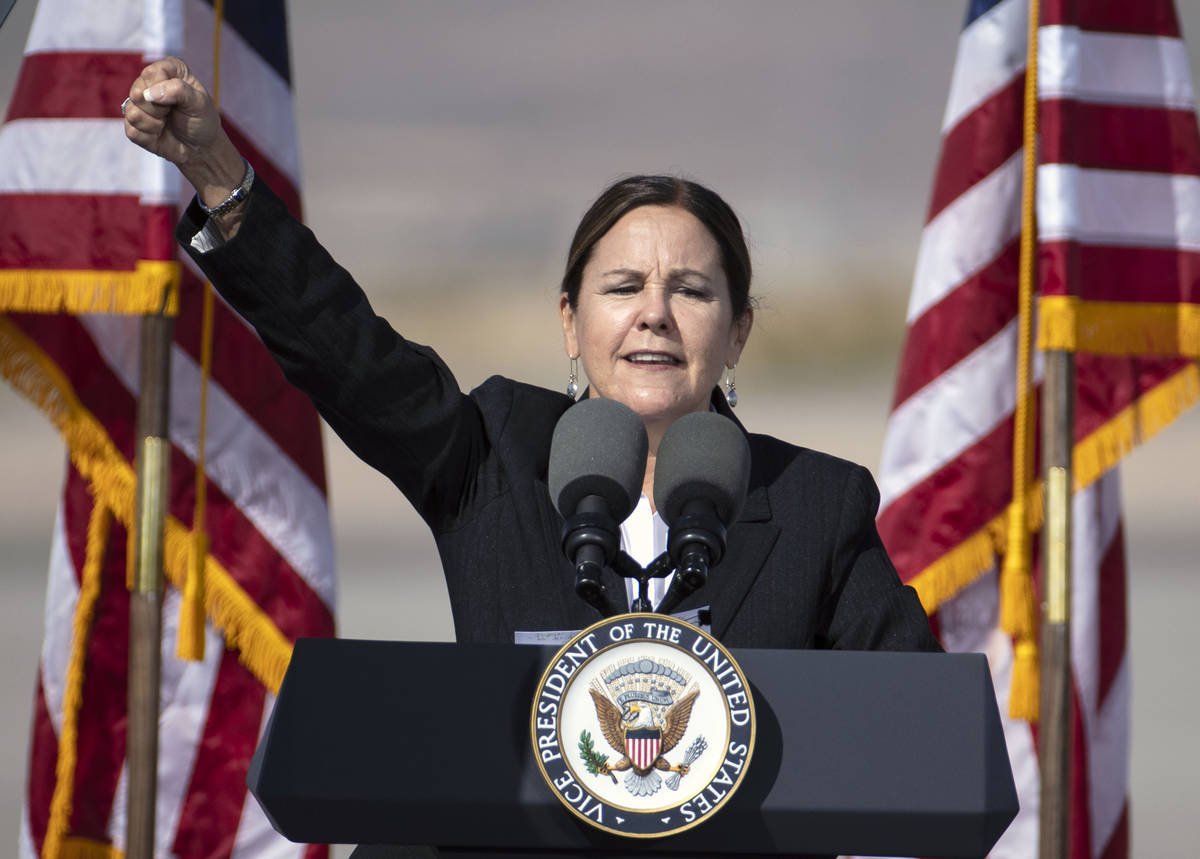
{"x":236,"y":196}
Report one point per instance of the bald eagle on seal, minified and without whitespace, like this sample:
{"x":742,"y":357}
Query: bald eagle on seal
{"x":616,"y":725}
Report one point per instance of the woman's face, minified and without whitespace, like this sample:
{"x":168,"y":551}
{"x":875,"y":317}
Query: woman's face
{"x":653,"y":324}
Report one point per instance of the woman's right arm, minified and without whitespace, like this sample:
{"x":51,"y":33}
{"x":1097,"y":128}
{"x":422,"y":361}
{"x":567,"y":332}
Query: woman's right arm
{"x":393,"y":402}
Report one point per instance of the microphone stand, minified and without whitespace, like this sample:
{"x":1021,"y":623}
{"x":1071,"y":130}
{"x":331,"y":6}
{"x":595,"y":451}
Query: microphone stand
{"x":590,"y":537}
{"x":628,"y":568}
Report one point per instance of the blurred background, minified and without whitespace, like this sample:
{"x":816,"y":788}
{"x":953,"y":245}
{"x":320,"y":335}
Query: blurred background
{"x":449,"y":148}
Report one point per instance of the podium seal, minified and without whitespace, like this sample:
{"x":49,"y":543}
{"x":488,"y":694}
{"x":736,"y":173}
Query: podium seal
{"x":643,"y":725}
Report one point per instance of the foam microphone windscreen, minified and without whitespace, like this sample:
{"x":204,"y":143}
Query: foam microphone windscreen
{"x":703,"y":456}
{"x":599,"y":448}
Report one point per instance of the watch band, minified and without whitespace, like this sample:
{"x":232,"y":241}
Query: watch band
{"x":236,"y":196}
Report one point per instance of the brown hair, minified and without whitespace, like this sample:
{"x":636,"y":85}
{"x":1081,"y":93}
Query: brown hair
{"x":628,"y":194}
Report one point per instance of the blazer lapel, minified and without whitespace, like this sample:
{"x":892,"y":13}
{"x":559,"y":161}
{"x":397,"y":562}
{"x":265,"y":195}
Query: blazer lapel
{"x":750,"y":541}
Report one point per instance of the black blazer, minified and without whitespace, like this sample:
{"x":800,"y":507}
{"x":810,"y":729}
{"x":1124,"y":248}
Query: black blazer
{"x":804,"y":565}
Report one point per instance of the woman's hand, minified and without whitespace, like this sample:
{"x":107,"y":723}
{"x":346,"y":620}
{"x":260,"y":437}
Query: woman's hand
{"x":171,"y":114}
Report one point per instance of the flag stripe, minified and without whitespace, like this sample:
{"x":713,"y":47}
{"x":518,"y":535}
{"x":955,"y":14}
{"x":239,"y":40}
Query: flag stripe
{"x":1146,"y":17}
{"x":1161,"y":274}
{"x":1118,"y":843}
{"x":69,"y":345}
{"x":960,"y":323}
{"x":972,"y":149}
{"x":260,"y":103}
{"x":100,"y":749}
{"x":1117,"y":207}
{"x":939,"y":512}
{"x":1107,"y":736}
{"x":1112,"y":616}
{"x":1106,"y":385}
{"x":1116,"y":68}
{"x":73,"y":85}
{"x":250,"y":377}
{"x":1095,"y":136}
{"x":259,"y":24}
{"x":43,"y":756}
{"x":302,"y":536}
{"x":966,"y":236}
{"x":186,"y":690}
{"x":1079,"y":814}
{"x":80,"y":156}
{"x":951,"y":422}
{"x":990,"y":55}
{"x":118,"y":30}
{"x":62,"y":592}
{"x":255,"y":564}
{"x":209,"y":818}
{"x":81,"y":232}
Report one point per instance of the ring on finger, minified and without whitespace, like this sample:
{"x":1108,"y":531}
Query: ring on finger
{"x":124,"y":105}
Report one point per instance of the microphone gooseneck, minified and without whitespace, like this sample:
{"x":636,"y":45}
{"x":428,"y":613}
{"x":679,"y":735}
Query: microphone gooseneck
{"x":597,"y":465}
{"x":701,"y":475}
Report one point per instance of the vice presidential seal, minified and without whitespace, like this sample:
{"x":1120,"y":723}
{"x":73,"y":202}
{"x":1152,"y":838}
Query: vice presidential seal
{"x":643,"y":725}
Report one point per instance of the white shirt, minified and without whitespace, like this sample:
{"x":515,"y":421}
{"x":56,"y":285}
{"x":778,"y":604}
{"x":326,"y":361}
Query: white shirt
{"x":644,"y":538}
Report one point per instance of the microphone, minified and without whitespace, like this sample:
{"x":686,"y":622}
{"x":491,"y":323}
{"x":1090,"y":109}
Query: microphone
{"x":701,"y":476}
{"x":597,"y":466}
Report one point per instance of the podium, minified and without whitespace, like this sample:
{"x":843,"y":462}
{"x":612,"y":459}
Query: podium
{"x":395,"y":743}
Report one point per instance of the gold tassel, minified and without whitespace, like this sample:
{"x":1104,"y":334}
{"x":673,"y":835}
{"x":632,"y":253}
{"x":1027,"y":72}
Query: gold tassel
{"x":1023,"y":692}
{"x":190,"y":641}
{"x":1016,"y":582}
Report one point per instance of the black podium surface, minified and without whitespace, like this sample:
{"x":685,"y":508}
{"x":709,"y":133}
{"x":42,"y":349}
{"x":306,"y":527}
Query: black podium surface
{"x":416,"y":743}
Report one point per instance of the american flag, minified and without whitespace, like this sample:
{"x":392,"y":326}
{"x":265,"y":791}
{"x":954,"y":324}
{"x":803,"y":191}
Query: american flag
{"x":1117,"y":207}
{"x":86,"y":222}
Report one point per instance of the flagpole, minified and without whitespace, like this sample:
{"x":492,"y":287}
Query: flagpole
{"x":145,"y":599}
{"x":1055,"y":716}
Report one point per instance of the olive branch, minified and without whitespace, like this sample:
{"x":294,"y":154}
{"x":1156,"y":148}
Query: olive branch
{"x":595,"y":763}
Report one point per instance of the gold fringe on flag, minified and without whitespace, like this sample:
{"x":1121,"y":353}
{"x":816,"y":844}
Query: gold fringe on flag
{"x":261,"y":647}
{"x":36,"y":290}
{"x":942,"y":580}
{"x":89,"y":592}
{"x":1118,"y":327}
{"x":86,"y":848}
{"x":1140,"y":421}
{"x":1091,"y":458}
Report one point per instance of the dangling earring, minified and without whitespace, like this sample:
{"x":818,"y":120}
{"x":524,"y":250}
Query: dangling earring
{"x":573,"y":377}
{"x":731,"y":387}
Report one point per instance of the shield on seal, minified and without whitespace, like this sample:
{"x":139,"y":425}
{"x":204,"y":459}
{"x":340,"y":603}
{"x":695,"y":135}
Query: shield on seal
{"x":641,"y":744}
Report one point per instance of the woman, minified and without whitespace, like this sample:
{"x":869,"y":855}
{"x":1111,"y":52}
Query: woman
{"x":655,"y":304}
